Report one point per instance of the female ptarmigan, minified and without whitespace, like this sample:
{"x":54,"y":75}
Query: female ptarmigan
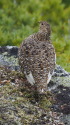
{"x":37,"y":58}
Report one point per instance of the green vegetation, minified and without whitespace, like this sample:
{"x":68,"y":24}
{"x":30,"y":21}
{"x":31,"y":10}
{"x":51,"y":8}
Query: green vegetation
{"x":67,"y":2}
{"x":15,"y":104}
{"x":18,"y":103}
{"x":18,"y":19}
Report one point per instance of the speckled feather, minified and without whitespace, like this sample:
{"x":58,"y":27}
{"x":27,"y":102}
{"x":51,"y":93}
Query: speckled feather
{"x":37,"y":56}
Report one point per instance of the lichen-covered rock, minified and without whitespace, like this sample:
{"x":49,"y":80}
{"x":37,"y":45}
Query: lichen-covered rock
{"x":60,"y":77}
{"x":9,"y":57}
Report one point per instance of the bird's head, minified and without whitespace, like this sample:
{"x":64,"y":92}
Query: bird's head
{"x":44,"y":27}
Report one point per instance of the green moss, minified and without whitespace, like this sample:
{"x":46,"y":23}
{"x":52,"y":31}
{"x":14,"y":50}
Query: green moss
{"x":21,"y":105}
{"x":46,"y":101}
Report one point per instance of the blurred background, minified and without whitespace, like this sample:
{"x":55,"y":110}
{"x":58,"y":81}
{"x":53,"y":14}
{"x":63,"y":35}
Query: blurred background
{"x":19,"y":19}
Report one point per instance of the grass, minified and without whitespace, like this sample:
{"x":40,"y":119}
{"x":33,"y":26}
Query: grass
{"x":62,"y":48}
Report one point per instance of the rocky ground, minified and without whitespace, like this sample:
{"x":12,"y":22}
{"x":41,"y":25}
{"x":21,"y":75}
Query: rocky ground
{"x":20,"y":106}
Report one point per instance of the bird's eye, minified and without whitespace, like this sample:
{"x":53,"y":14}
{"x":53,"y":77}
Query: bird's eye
{"x":41,"y":23}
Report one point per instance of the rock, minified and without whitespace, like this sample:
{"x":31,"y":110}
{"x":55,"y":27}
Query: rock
{"x":11,"y":50}
{"x":60,"y":77}
{"x":59,"y":71}
{"x":9,"y":57}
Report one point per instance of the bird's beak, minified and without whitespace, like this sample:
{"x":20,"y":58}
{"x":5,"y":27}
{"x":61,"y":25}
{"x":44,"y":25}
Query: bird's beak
{"x":39,"y":21}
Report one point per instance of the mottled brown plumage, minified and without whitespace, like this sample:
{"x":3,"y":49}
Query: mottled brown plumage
{"x":37,"y":58}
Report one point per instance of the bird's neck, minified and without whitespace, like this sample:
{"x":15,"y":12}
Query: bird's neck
{"x":43,"y":36}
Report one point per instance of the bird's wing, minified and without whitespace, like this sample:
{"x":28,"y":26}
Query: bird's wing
{"x":25,"y":59}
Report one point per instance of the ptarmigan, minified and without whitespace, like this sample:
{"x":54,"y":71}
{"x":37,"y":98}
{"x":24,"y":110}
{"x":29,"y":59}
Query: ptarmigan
{"x":37,"y":58}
